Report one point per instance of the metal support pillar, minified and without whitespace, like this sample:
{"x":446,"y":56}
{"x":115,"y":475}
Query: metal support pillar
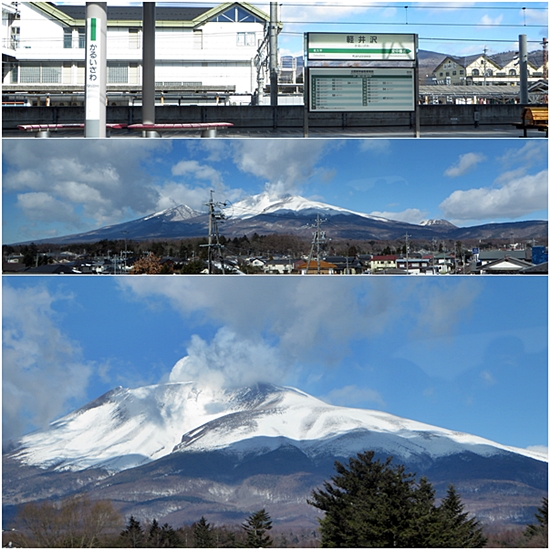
{"x":96,"y":70}
{"x":273,"y":82}
{"x":148,"y":66}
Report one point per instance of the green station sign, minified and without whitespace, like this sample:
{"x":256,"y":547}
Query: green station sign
{"x":361,"y":47}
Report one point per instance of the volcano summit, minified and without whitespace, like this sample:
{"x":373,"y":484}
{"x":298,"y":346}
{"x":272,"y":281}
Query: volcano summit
{"x":267,"y":214}
{"x":177,"y":451}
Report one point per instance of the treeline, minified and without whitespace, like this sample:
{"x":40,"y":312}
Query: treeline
{"x":78,"y":522}
{"x":367,"y":503}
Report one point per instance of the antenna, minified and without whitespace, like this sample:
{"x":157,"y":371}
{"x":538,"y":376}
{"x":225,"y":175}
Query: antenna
{"x":319,"y":237}
{"x":215,"y":248}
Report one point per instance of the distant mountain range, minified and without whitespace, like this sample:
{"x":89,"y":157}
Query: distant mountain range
{"x":265,"y":214}
{"x":178,"y":451}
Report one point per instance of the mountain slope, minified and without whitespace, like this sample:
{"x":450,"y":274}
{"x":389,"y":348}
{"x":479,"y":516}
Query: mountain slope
{"x":178,"y":451}
{"x":125,"y":428}
{"x":266,"y":214}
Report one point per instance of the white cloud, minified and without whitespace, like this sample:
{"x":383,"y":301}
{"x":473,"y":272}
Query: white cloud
{"x":375,"y":145}
{"x":229,"y":360}
{"x":488,"y":20}
{"x":286,"y":164}
{"x":279,"y":327}
{"x":42,"y":206}
{"x":411,"y":215}
{"x":196,"y":170}
{"x":94,"y":184}
{"x":465,"y":164}
{"x":540,"y":449}
{"x":42,"y":369}
{"x":513,"y":199}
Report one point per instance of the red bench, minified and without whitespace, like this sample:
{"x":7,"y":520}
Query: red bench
{"x":208,"y":129}
{"x":43,"y":130}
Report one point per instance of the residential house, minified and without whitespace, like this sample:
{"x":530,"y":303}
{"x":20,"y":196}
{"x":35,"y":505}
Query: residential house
{"x":382,"y":263}
{"x":481,"y":69}
{"x":325,"y":268}
{"x":279,"y":265}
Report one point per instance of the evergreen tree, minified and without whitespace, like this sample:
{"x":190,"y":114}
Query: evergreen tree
{"x":202,"y":534}
{"x":368,"y":504}
{"x":255,"y":528}
{"x":456,"y":528}
{"x":372,"y":503}
{"x":540,"y":530}
{"x":133,"y":536}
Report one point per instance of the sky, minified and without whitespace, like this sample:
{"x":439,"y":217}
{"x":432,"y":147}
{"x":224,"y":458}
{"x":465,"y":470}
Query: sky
{"x":463,"y":353}
{"x":61,"y":187}
{"x":456,"y":28}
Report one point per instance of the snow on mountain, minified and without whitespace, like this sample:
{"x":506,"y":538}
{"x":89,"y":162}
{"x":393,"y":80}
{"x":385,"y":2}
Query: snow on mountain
{"x":174,"y":214}
{"x":129,"y":427}
{"x":264,"y":203}
{"x":437,"y":223}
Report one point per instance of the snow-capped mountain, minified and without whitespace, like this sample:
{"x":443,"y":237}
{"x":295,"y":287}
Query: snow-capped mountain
{"x":128,"y":427}
{"x":175,"y":214}
{"x":438,"y":223}
{"x":265,"y":203}
{"x":177,"y":451}
{"x":267,"y":214}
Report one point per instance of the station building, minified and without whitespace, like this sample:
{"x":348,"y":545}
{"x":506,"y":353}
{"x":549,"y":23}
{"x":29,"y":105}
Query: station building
{"x":219,"y":50}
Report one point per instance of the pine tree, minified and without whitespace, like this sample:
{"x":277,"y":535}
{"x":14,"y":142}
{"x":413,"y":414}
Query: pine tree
{"x":255,"y":528}
{"x":540,"y":530}
{"x":368,"y":504}
{"x":202,"y":534}
{"x":133,"y":536}
{"x":457,"y":529}
{"x":372,"y":503}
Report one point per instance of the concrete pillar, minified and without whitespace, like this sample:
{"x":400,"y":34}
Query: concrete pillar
{"x":523,"y":71}
{"x":96,"y":70}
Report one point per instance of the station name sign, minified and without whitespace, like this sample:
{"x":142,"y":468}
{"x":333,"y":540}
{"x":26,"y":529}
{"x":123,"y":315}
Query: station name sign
{"x":361,"y":47}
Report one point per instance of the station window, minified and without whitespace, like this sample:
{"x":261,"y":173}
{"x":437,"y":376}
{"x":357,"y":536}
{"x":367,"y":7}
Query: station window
{"x":236,"y":15}
{"x":67,"y":38}
{"x":117,"y":73}
{"x":246,"y":39}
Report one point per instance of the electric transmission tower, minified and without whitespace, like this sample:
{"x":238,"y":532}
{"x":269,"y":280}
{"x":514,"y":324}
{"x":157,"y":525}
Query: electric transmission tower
{"x":319,"y":238}
{"x":215,"y":248}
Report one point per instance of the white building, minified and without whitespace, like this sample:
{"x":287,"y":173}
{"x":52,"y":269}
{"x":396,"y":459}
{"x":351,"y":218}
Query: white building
{"x":197,"y":48}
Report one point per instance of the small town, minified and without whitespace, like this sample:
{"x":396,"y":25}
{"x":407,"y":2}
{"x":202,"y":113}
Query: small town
{"x":191,"y":256}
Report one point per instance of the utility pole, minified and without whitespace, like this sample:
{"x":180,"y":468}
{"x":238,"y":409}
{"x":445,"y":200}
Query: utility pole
{"x":407,"y":251}
{"x":319,"y":237}
{"x":214,"y":246}
{"x":273,"y":82}
{"x":485,"y":66}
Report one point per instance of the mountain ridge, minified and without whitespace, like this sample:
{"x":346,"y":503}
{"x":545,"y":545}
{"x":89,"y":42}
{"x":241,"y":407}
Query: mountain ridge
{"x":291,"y":214}
{"x":180,"y":450}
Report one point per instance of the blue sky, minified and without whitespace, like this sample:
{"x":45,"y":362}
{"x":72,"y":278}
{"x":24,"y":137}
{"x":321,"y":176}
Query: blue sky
{"x":468,"y":354}
{"x":456,"y":28}
{"x":60,"y":187}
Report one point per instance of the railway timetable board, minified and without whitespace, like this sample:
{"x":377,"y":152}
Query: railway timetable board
{"x":368,"y":89}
